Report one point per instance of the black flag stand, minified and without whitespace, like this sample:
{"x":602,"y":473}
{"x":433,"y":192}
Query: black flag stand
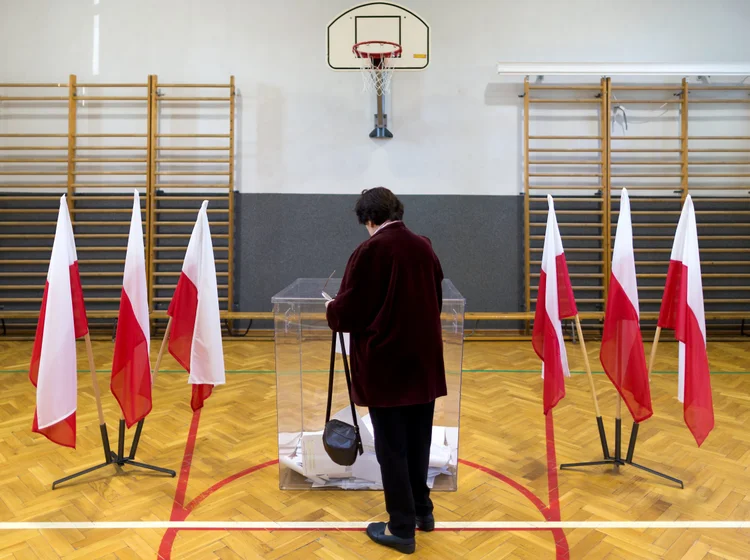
{"x":110,"y":457}
{"x":120,"y":459}
{"x":629,"y":458}
{"x":617,"y":460}
{"x":107,"y":459}
{"x":597,"y":412}
{"x":102,"y":425}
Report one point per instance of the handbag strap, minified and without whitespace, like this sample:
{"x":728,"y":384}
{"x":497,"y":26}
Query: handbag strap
{"x":349,"y":391}
{"x":348,"y":386}
{"x":330,"y":377}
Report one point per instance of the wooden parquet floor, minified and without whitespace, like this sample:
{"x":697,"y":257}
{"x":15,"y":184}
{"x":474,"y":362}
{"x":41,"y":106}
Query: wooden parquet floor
{"x":505,"y":446}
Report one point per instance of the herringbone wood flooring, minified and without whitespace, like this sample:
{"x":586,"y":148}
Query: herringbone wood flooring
{"x":502,"y":429}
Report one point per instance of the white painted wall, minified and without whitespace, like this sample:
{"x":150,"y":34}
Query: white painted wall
{"x":304,"y":127}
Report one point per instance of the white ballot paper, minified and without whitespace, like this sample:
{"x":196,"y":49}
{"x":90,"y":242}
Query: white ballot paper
{"x":315,"y":460}
{"x":304,"y":453}
{"x":438,"y":435}
{"x":346,"y":344}
{"x":367,"y":468}
{"x":451,"y":437}
{"x":288,"y":442}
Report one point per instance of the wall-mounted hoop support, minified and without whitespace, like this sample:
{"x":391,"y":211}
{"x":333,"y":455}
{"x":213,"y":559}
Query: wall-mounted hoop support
{"x":376,"y":63}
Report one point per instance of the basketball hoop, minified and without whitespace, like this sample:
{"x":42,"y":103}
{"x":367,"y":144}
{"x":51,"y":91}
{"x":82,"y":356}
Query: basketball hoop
{"x":376,"y":62}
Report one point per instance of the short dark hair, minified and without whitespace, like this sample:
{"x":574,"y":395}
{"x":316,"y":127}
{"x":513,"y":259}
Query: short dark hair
{"x":378,"y":206}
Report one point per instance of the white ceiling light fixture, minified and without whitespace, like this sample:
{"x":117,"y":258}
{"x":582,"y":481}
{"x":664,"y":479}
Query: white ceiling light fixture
{"x":620,"y":69}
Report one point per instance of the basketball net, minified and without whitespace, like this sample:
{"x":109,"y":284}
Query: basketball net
{"x":376,"y":63}
{"x":376,"y":74}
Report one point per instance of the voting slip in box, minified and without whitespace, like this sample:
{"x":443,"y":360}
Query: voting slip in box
{"x":303,"y":353}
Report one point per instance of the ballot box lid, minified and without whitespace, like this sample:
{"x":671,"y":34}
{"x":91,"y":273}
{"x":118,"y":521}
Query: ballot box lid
{"x":309,"y":290}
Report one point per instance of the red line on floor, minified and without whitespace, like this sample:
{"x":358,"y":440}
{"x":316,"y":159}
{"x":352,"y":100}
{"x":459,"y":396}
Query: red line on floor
{"x":359,"y":530}
{"x":543,"y":509}
{"x":552,"y":482}
{"x":180,"y":512}
{"x":187,"y":462}
{"x":206,"y":493}
{"x":562,"y":549}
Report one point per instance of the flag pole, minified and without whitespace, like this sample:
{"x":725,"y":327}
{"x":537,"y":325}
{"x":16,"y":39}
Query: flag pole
{"x":651,"y":360}
{"x":130,"y":459}
{"x":618,"y":429}
{"x":139,"y":427}
{"x":161,"y":350}
{"x":599,"y":420}
{"x":634,"y":433}
{"x":108,"y":455}
{"x":97,"y":396}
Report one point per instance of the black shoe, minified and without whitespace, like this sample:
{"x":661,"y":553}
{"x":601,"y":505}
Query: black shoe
{"x":426,"y":523}
{"x":376,"y":531}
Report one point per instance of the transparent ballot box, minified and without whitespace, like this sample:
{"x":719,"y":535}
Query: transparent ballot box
{"x":303,"y":354}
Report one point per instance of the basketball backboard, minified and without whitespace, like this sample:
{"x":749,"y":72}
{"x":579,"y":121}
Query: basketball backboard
{"x":378,"y":21}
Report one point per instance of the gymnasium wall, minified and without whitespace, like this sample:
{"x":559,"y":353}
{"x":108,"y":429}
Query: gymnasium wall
{"x":302,"y":144}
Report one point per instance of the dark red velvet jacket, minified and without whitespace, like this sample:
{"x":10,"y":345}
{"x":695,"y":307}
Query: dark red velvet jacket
{"x":390,"y":301}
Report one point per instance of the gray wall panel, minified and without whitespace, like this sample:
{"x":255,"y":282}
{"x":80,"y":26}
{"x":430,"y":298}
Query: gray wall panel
{"x":479,"y":240}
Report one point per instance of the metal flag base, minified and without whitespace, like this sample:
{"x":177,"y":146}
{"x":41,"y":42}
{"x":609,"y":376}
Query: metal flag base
{"x":85,"y":471}
{"x":617,"y":460}
{"x":602,"y":437}
{"x":107,"y":459}
{"x":119,"y":458}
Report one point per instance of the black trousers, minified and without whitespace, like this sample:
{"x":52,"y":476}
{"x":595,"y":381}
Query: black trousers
{"x":403,"y":435}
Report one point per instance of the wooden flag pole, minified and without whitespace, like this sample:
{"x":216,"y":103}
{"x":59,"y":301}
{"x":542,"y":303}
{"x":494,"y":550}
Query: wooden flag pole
{"x":130,"y":459}
{"x":599,"y":420}
{"x":102,"y":425}
{"x":163,"y":347}
{"x":588,"y":367}
{"x":634,"y":431}
{"x":94,"y":382}
{"x":652,"y":359}
{"x":139,"y":426}
{"x":98,"y":398}
{"x":618,"y":429}
{"x":161,"y":350}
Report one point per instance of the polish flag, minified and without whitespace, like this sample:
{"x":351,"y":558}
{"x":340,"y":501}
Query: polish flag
{"x":621,"y":353}
{"x":682,"y":310}
{"x":554,"y":302}
{"x":131,"y":368}
{"x":62,"y":319}
{"x":195,"y":341}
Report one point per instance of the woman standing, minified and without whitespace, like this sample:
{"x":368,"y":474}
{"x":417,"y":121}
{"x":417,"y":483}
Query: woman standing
{"x":390,"y":301}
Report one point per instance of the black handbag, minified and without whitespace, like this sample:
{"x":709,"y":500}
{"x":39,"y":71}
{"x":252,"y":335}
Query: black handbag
{"x":341,"y":440}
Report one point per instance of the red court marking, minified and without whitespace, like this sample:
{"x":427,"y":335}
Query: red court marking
{"x":552,"y":482}
{"x":561,"y":542}
{"x":206,"y":493}
{"x":181,"y":512}
{"x":187,"y":462}
{"x":359,"y":530}
{"x":178,"y":511}
{"x":515,"y":485}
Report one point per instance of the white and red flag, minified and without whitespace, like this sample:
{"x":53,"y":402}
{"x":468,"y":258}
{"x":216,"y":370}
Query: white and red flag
{"x":195,"y":340}
{"x":682,"y":310}
{"x":131,"y":366}
{"x":555,"y":301}
{"x":621,"y":353}
{"x":62,"y":319}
